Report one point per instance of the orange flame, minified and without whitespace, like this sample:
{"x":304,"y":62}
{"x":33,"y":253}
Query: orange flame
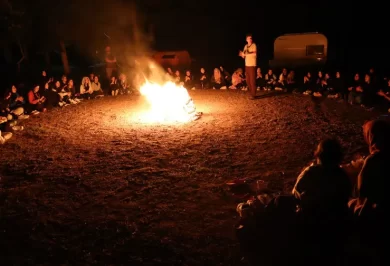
{"x":169,"y":102}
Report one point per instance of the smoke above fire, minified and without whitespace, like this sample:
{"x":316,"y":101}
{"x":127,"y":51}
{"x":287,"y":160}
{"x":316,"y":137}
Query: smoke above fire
{"x":133,"y":46}
{"x":91,"y":25}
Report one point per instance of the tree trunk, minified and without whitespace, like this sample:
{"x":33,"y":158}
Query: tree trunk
{"x":7,"y":54}
{"x":22,"y":52}
{"x":64,"y":58}
{"x":47,"y":60}
{"x":25,"y":52}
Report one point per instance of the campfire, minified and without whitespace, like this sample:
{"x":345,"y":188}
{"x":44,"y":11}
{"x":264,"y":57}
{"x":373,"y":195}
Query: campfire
{"x":168,"y":103}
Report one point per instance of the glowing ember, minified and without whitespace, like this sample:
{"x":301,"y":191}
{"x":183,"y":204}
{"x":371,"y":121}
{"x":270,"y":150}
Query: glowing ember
{"x":169,"y":102}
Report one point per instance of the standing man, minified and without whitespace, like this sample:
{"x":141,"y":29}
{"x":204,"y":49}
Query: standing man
{"x":250,"y":56}
{"x":110,"y":61}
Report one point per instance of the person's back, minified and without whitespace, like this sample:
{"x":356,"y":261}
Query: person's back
{"x":369,"y":207}
{"x":372,"y":180}
{"x":323,"y":190}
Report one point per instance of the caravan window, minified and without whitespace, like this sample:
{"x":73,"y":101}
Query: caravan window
{"x":168,"y":56}
{"x":315,"y":49}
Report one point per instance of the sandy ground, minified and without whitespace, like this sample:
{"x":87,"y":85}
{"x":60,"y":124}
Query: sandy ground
{"x":92,"y":183}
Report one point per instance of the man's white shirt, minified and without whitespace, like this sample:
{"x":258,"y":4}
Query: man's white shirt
{"x":250,"y":52}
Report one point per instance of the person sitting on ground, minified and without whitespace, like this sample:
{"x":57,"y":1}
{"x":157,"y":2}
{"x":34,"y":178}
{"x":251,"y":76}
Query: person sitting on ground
{"x":177,"y":78}
{"x":320,"y":85}
{"x":189,"y":81}
{"x":4,"y":107}
{"x":372,"y":179}
{"x":86,"y":88}
{"x":36,"y":101}
{"x":96,"y":88}
{"x":338,"y":86}
{"x":369,"y":94}
{"x":281,"y":84}
{"x":7,"y":116}
{"x":124,"y":86}
{"x":284,"y":74}
{"x":16,"y":99}
{"x":7,"y":120}
{"x":15,"y":104}
{"x":260,"y":81}
{"x":64,"y":81}
{"x":291,"y":81}
{"x":50,"y":94}
{"x":309,"y":85}
{"x":270,"y":80}
{"x":324,"y":188}
{"x":62,"y":94}
{"x":42,"y":90}
{"x":328,"y":88}
{"x":170,"y":72}
{"x":384,"y":97}
{"x":238,"y":80}
{"x":322,"y":192}
{"x":71,"y":90}
{"x":114,"y":88}
{"x":355,"y":90}
{"x":203,"y":79}
{"x":319,"y":82}
{"x":67,"y":95}
{"x":217,"y":80}
{"x":369,"y":208}
{"x":226,"y":75}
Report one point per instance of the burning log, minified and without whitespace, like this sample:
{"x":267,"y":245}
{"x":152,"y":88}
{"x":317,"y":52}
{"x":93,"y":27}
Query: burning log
{"x":169,"y":102}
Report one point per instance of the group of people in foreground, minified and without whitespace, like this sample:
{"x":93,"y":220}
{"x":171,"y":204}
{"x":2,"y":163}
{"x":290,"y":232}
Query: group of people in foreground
{"x":335,"y":214}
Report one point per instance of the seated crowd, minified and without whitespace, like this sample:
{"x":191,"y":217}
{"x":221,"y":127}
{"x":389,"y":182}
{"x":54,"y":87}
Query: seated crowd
{"x":50,"y":93}
{"x":368,"y":90}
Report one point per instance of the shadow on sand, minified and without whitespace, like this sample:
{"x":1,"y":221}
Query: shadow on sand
{"x":271,"y":94}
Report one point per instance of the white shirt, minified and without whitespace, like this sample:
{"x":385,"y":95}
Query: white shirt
{"x":250,"y":52}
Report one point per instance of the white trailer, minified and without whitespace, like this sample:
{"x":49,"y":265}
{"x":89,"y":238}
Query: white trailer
{"x":300,"y":49}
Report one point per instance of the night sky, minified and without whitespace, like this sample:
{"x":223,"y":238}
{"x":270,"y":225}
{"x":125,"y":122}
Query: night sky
{"x":214,"y":31}
{"x":356,"y":33}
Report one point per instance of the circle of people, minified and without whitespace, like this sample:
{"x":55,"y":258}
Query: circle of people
{"x":368,"y":91}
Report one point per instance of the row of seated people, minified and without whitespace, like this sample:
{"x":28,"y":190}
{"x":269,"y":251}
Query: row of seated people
{"x":49,"y":93}
{"x":11,"y":112}
{"x":117,"y":86}
{"x":220,"y":79}
{"x":331,"y":210}
{"x":367,"y":91}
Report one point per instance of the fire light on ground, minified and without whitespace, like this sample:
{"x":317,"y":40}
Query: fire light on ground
{"x":168,"y":103}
